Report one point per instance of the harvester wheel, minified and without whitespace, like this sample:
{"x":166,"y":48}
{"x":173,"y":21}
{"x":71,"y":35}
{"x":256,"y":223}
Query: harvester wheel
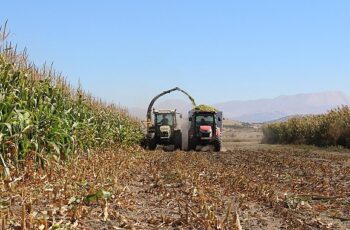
{"x":144,"y":143}
{"x":152,"y":144}
{"x":217,"y":144}
{"x":178,"y":139}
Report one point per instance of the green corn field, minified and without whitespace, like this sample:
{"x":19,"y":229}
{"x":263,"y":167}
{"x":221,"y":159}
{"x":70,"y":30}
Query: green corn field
{"x":42,"y":115}
{"x":331,"y":129}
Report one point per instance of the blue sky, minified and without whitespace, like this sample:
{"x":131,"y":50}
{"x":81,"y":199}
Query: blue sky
{"x":128,"y":51}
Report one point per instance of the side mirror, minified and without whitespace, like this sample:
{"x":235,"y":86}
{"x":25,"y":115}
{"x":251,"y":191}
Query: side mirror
{"x":190,"y":119}
{"x":219,"y":119}
{"x":180,"y":116}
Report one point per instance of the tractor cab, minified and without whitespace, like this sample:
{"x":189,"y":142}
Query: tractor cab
{"x":164,"y":123}
{"x":206,"y":128}
{"x":204,"y":123}
{"x":165,"y":117}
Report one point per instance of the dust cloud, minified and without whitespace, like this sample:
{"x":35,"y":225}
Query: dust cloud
{"x":184,"y":125}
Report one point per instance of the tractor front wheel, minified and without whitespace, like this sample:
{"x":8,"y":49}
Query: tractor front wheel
{"x":152,"y":144}
{"x":217,"y":144}
{"x":144,"y":143}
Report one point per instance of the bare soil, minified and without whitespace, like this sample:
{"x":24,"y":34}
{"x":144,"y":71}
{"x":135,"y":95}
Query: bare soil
{"x":248,"y":186}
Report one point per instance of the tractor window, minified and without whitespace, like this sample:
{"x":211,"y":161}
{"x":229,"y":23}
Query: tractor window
{"x":165,"y":119}
{"x":204,"y":119}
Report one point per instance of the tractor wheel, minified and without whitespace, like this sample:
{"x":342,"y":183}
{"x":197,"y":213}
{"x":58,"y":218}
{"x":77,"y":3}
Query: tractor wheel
{"x":178,"y":139}
{"x":152,"y":144}
{"x":144,"y":143}
{"x":217,"y":144}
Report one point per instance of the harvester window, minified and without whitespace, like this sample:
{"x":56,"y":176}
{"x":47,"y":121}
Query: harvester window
{"x":164,"y":119}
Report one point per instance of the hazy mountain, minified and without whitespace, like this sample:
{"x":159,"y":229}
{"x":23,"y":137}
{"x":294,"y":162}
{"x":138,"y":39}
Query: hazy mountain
{"x":263,"y":110}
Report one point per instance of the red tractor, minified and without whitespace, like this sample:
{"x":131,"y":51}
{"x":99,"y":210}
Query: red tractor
{"x":206,"y":127}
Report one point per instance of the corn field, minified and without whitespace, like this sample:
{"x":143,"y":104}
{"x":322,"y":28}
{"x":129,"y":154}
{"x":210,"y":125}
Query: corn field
{"x":331,"y":129}
{"x":44,"y":121}
{"x":42,"y":115}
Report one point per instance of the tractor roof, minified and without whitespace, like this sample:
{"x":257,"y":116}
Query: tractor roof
{"x":164,"y":111}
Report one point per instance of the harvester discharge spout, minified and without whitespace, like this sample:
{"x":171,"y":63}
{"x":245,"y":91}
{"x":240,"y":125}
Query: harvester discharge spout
{"x":149,"y":110}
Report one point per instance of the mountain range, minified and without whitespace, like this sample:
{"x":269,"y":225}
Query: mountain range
{"x":264,"y":110}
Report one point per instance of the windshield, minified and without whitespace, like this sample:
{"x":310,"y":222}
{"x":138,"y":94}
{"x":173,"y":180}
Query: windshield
{"x":165,"y":119}
{"x":204,"y":119}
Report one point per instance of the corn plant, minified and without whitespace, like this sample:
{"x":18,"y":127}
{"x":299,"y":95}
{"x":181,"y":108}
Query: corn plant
{"x":41,"y":113}
{"x":328,"y":129}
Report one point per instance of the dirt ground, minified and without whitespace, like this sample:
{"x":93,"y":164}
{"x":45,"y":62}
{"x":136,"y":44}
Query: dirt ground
{"x":246,"y":186}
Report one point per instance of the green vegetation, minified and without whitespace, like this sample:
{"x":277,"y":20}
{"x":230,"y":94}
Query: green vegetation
{"x":328,"y":129}
{"x":206,"y":108}
{"x":41,"y":115}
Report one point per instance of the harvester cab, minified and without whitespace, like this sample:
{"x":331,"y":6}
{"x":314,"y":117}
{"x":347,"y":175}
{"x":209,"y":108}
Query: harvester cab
{"x":164,"y":130}
{"x":206,"y":127}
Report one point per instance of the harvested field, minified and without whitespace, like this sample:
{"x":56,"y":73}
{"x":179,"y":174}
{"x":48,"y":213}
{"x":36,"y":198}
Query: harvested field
{"x":250,"y":186}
